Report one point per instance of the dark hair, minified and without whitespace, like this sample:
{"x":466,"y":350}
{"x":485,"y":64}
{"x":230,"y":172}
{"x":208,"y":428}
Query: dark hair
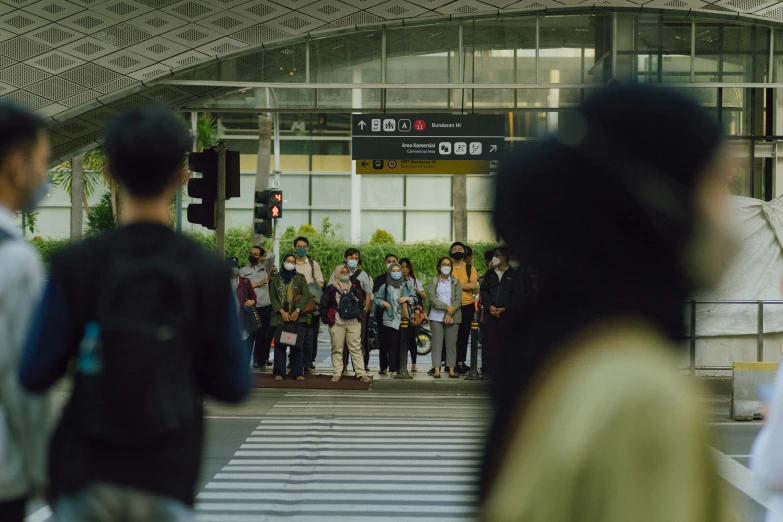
{"x":301,"y":238}
{"x":468,"y":251}
{"x":146,"y":149}
{"x":390,"y":255}
{"x":351,"y":251}
{"x":503,"y":250}
{"x":458,"y":243}
{"x":488,"y":255}
{"x":260,"y":249}
{"x":440,"y":262}
{"x":410,"y":266}
{"x":19,"y":129}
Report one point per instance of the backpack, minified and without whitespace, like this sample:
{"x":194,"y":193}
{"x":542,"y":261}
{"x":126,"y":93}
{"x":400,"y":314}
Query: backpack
{"x":350,"y":307}
{"x":136,"y":377}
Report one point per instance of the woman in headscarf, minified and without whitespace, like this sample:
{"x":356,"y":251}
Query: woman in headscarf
{"x":395,"y":293}
{"x":344,"y":330}
{"x":624,"y":214}
{"x":289,"y":294}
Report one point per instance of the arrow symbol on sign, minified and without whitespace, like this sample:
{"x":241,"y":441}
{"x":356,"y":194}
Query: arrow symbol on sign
{"x":364,"y":163}
{"x":493,"y":148}
{"x":362,"y":125}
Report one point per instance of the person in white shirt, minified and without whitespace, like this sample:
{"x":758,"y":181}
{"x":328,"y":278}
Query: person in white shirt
{"x":766,"y":457}
{"x":24,"y":163}
{"x":259,"y":273}
{"x":298,"y":125}
{"x":444,"y":293}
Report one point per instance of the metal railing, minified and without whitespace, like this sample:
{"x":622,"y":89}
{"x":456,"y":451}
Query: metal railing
{"x":759,"y":330}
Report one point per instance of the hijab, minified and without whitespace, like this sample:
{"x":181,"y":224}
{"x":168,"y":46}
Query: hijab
{"x":287,"y":275}
{"x":339,"y":285}
{"x":604,"y":212}
{"x":392,"y":283}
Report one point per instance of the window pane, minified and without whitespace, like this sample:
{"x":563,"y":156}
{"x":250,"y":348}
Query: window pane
{"x":332,"y":191}
{"x":390,"y":221}
{"x":428,"y":226}
{"x":422,"y":54}
{"x":382,"y":191}
{"x":429,"y":192}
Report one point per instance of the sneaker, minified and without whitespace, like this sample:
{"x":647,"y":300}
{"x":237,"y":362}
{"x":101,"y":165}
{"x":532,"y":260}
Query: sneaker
{"x":431,"y":372}
{"x":382,"y":372}
{"x":269,"y":363}
{"x":462,"y":370}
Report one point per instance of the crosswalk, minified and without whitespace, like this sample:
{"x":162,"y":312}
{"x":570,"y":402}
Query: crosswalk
{"x":347,"y":457}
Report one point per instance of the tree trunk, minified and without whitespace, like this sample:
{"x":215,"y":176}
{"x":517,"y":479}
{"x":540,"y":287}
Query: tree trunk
{"x":262,"y":167}
{"x":85,"y":204}
{"x":113,"y":192}
{"x":77,"y":197}
{"x":461,"y":208}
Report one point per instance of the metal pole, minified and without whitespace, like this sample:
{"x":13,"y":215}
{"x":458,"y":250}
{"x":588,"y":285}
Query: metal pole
{"x":220,"y":218}
{"x":178,"y":203}
{"x":474,"y":335}
{"x":403,"y":373}
{"x":693,"y":49}
{"x":614,"y":46}
{"x":538,"y":42}
{"x":760,"y":342}
{"x":692,"y":351}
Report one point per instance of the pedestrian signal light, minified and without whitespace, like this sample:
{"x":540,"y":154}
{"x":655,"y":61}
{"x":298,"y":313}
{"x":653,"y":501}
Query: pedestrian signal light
{"x":275,"y":204}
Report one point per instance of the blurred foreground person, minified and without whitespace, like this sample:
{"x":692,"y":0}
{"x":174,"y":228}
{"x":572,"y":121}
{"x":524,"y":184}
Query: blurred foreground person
{"x":24,"y":162}
{"x":625,"y":213}
{"x":149,"y":318}
{"x":766,"y":457}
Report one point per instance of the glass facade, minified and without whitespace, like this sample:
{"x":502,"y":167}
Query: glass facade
{"x":530,"y":68}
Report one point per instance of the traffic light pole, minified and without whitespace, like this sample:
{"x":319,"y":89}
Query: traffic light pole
{"x":220,"y":207}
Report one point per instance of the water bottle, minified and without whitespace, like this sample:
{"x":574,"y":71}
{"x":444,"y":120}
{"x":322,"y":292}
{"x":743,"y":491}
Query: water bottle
{"x":89,"y":361}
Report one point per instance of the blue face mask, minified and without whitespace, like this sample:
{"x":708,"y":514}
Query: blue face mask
{"x":35,"y":198}
{"x":301,"y":251}
{"x":396,"y":276}
{"x":352,"y":264}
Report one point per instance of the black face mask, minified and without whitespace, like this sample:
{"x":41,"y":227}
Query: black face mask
{"x":253,"y":259}
{"x":458,"y":255}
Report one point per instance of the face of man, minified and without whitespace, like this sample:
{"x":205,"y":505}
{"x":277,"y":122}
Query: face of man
{"x":27,"y":169}
{"x":456,"y":249}
{"x":354,"y":257}
{"x":255,"y":255}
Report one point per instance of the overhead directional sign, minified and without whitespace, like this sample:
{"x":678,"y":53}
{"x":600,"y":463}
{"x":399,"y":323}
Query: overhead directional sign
{"x":422,"y":166}
{"x":428,"y":136}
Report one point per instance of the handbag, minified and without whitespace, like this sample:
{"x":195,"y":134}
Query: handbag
{"x":253,"y":321}
{"x":289,"y":334}
{"x":312,"y":304}
{"x":419,"y":315}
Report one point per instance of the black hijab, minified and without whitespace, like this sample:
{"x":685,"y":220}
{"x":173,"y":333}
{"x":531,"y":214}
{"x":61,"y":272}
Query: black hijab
{"x":603,"y":212}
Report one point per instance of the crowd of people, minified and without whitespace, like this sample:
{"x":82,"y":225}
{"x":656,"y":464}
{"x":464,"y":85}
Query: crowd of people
{"x":446,"y":302}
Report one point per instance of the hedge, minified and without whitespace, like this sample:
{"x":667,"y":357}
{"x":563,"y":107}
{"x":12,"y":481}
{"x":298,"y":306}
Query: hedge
{"x":328,"y":251}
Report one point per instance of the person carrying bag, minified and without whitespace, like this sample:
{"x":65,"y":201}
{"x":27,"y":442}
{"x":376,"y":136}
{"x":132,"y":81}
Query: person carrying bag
{"x":290,"y":295}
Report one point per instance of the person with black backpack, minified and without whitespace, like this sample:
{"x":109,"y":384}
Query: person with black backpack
{"x":148,"y":316}
{"x":342,"y":309}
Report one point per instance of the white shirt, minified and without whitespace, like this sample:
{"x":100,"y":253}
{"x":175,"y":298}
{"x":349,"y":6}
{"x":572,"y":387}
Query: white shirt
{"x":23,"y":417}
{"x":500,"y":273}
{"x":258,"y":273}
{"x":298,"y":126}
{"x":766,"y":456}
{"x":442,"y":294}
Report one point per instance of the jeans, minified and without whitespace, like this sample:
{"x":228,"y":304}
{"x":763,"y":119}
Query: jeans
{"x":101,"y":502}
{"x":296,"y":357}
{"x":311,"y":339}
{"x":263,"y":336}
{"x":390,"y":339}
{"x":464,"y":332}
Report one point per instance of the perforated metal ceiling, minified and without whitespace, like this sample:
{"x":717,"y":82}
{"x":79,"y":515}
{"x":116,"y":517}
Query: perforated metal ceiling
{"x":81,"y":61}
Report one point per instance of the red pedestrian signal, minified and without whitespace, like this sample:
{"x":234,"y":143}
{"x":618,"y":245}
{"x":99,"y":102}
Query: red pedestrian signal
{"x":274,"y":212}
{"x":275,"y":204}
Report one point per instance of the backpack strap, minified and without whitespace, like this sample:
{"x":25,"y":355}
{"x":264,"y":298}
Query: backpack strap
{"x":312,"y":267}
{"x":468,"y":270}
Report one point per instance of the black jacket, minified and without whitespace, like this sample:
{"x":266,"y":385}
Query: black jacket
{"x":508,"y":293}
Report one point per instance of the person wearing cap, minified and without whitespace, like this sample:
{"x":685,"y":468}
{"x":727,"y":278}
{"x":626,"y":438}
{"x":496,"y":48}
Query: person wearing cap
{"x":246,"y":296}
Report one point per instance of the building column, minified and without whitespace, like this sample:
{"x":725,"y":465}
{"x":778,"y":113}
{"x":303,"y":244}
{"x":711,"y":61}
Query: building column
{"x":356,"y":180}
{"x":77,"y":196}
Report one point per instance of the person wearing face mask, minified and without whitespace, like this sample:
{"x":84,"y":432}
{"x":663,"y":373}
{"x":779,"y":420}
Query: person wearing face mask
{"x":393,"y":295}
{"x":343,"y":330}
{"x":353,"y":259}
{"x":501,"y":292}
{"x":383,"y":354}
{"x":410,"y":275}
{"x":289,"y":294}
{"x":24,"y":161}
{"x":260,"y":273}
{"x":625,"y":221}
{"x":467,"y":275}
{"x":246,"y":296}
{"x":444,"y":294}
{"x":311,"y":270}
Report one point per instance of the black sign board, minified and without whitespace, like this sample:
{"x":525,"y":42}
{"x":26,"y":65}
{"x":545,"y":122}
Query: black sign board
{"x":428,"y":136}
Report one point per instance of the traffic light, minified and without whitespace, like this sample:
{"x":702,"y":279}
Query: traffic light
{"x":204,"y":188}
{"x":269,"y":206}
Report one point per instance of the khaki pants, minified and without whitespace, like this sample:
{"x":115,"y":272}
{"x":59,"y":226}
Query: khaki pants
{"x":350,"y":334}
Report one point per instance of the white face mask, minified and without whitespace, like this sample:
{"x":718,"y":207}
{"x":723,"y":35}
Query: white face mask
{"x":445,"y":270}
{"x":513,"y":264}
{"x":289,"y":266}
{"x":495,"y":261}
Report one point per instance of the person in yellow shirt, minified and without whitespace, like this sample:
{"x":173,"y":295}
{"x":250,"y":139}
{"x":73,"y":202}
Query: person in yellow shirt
{"x":467,"y":275}
{"x":593,"y":420}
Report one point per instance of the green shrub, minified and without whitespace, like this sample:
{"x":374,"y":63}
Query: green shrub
{"x":101,"y":218}
{"x":307,"y":231}
{"x":46,"y":247}
{"x":381,"y":237}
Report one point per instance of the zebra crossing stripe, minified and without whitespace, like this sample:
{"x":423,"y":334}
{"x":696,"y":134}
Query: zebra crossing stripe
{"x":235,"y":517}
{"x":332,"y":463}
{"x":284,"y":488}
